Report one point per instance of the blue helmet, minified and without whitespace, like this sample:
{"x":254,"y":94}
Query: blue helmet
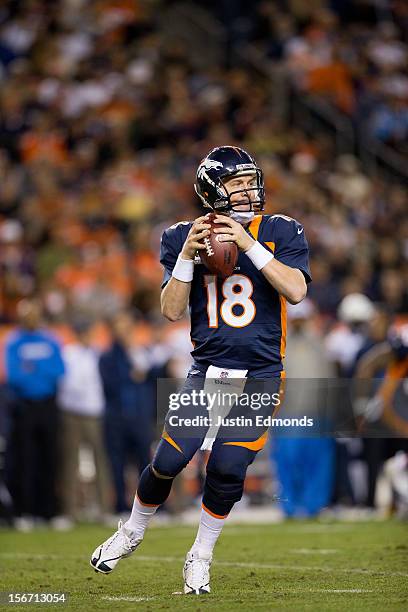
{"x":224,"y":163}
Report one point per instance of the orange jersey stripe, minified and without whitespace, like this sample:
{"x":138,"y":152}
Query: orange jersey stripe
{"x":283,"y":326}
{"x":271,"y":246}
{"x":254,"y":226}
{"x":256,"y":445}
{"x":282,"y":388}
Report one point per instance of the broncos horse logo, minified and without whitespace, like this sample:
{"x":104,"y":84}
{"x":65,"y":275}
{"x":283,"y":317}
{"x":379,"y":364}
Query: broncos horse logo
{"x":208,"y":164}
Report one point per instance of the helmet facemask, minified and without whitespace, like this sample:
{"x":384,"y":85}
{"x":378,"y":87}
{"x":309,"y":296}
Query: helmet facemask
{"x":224,"y":204}
{"x":256,"y":202}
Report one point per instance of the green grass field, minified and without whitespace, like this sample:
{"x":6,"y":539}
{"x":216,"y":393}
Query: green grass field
{"x":290,"y":566}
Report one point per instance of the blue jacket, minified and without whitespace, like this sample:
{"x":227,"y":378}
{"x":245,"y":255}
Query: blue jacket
{"x":123,"y":395}
{"x":34,"y":364}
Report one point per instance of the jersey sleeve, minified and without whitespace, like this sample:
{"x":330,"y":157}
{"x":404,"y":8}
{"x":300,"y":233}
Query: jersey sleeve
{"x":170,"y":247}
{"x":291,"y":245}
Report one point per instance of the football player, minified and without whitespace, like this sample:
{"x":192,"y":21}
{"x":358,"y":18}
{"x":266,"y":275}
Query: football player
{"x":238,"y":324}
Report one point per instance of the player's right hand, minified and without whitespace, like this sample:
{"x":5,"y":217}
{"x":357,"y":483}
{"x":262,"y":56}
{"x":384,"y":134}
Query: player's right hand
{"x":199,"y":230}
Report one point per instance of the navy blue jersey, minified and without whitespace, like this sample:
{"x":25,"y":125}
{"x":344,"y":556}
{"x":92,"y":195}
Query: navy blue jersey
{"x":240,"y":322}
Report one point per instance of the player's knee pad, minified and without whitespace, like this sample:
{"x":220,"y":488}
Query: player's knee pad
{"x":224,"y":485}
{"x":222,"y":490}
{"x":153,"y":490}
{"x":230,"y":462}
{"x":168,"y":461}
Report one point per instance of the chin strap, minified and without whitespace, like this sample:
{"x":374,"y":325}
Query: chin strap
{"x":242,"y":217}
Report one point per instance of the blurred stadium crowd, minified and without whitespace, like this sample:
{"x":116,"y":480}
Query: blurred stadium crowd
{"x":350,"y":52}
{"x":103,"y":120}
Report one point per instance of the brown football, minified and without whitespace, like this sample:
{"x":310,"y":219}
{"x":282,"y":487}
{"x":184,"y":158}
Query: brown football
{"x":219,"y":258}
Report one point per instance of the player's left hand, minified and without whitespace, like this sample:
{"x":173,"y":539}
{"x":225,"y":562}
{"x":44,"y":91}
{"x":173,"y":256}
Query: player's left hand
{"x":232,"y":231}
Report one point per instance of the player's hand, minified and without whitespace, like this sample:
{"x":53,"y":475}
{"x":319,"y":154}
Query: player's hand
{"x":199,"y":230}
{"x":233,"y":232}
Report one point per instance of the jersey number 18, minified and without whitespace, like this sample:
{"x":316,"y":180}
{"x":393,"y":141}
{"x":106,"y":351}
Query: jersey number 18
{"x":237,"y":291}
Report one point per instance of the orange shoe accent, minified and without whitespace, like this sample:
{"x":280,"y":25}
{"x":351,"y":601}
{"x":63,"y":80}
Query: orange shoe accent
{"x":271,"y":246}
{"x":212,"y":513}
{"x":254,"y":226}
{"x":256,"y":445}
{"x":170,"y":440}
{"x":147,"y":505}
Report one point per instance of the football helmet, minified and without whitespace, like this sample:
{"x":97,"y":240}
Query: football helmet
{"x":224,"y":163}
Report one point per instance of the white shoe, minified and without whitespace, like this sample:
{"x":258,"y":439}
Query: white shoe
{"x":24,"y":523}
{"x":196,"y":574}
{"x":62,"y":523}
{"x":120,"y":545}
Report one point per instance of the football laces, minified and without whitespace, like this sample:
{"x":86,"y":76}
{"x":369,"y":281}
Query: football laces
{"x":208,"y":246}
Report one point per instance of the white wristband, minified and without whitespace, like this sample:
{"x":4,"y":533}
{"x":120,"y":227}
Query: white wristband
{"x":183,"y":270}
{"x":259,"y":255}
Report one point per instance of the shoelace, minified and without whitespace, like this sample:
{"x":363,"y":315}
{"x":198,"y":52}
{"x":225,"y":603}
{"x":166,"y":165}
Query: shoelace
{"x":128,"y":543}
{"x":198,"y":570}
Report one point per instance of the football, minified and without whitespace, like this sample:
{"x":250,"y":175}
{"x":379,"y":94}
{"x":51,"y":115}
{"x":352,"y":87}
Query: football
{"x":220,"y":258}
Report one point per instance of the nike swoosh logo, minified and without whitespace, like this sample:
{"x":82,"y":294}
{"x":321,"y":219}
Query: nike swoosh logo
{"x":300,"y":230}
